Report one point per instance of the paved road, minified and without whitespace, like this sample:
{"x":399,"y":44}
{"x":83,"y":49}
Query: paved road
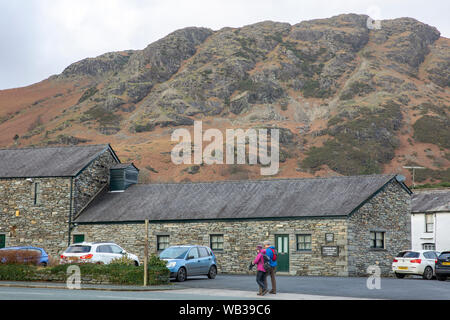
{"x":409,"y":288}
{"x":227,"y":287}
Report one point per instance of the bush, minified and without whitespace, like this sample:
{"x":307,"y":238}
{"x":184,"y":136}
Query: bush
{"x":24,"y":257}
{"x":431,"y":129}
{"x":87,"y":94}
{"x":123,"y":261}
{"x":118,"y":272}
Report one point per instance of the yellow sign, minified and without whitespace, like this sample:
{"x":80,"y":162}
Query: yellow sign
{"x":17,"y":213}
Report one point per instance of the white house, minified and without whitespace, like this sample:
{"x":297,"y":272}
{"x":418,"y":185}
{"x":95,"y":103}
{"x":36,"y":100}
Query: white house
{"x":430,"y":220}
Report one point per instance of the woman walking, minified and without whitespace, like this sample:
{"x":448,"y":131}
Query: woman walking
{"x":261,"y":272}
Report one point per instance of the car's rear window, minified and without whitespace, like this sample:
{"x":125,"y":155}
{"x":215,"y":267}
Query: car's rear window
{"x":401,"y":254}
{"x":444,"y":255}
{"x":78,"y":249}
{"x":411,"y":254}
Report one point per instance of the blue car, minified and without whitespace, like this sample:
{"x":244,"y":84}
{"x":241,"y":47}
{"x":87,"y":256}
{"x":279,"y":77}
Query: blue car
{"x":191,"y":260}
{"x":43,"y":258}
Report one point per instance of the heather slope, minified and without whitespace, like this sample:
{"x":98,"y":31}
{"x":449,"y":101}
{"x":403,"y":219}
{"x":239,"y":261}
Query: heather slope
{"x":349,"y":100}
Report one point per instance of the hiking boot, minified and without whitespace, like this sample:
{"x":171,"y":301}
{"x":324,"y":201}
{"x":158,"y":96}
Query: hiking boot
{"x":272,"y":292}
{"x":264,"y":292}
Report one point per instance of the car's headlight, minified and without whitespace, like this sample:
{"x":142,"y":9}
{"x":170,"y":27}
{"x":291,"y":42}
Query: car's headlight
{"x":171,"y":264}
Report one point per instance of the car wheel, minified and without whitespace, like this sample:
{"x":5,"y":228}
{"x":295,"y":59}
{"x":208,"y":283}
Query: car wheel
{"x":428,"y":273}
{"x":399,"y":275}
{"x":136,"y":264}
{"x":181,"y":275}
{"x":212,"y":272}
{"x":441,"y":278}
{"x":43,"y":264}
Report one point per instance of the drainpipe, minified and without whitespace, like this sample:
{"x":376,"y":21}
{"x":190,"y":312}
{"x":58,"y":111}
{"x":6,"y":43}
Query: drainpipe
{"x":435,"y":229}
{"x":70,"y":210}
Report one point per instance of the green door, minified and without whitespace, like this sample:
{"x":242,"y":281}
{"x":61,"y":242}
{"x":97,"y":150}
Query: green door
{"x":78,"y":238}
{"x":2,"y":241}
{"x":282,"y":246}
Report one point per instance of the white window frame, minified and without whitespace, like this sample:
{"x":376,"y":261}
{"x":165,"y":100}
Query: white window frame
{"x":429,"y":226}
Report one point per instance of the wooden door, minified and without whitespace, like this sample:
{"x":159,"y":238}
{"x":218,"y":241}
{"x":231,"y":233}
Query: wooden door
{"x":282,"y":246}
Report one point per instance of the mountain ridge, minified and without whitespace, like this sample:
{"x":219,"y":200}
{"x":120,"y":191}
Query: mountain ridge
{"x":349,"y":100}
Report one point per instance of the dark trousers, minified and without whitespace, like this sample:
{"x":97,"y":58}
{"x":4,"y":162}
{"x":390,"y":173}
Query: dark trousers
{"x":271,"y":273}
{"x":261,"y":280}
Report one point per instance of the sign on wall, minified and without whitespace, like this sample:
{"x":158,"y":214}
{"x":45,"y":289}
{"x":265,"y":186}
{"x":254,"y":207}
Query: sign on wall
{"x":330,"y":251}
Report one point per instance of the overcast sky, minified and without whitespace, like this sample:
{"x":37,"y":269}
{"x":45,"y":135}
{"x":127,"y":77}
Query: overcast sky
{"x":39,"y":38}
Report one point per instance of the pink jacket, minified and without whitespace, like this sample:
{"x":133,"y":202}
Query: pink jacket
{"x":259,"y":261}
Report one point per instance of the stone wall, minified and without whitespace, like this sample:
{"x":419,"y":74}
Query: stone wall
{"x":42,"y":225}
{"x":389,"y":212}
{"x":92,"y":179}
{"x":46,"y":223}
{"x":240,"y":240}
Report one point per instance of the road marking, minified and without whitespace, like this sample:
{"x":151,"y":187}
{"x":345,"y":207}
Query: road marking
{"x":123,"y":297}
{"x":251,"y":294}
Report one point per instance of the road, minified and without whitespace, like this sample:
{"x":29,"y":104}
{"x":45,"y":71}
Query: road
{"x":232,"y":287}
{"x":409,"y":288}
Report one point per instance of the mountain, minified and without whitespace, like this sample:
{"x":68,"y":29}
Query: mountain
{"x":348,"y":99}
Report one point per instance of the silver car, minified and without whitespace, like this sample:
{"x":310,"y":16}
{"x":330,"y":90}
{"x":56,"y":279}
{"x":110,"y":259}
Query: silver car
{"x":420,"y":262}
{"x":96,"y":252}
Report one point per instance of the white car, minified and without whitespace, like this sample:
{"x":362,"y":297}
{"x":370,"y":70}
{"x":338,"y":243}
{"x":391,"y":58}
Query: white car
{"x":95,"y":252}
{"x":420,"y":262}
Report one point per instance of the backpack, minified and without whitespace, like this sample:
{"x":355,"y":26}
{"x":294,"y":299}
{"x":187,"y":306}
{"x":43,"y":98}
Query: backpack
{"x":274,"y":256}
{"x":266,"y":258}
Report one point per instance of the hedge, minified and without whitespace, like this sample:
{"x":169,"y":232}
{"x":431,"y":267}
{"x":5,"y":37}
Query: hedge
{"x":90,"y":273}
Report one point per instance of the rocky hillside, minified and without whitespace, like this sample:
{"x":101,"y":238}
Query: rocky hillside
{"x":348,"y":99}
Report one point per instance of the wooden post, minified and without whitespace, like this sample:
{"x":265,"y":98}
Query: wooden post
{"x":146,"y":254}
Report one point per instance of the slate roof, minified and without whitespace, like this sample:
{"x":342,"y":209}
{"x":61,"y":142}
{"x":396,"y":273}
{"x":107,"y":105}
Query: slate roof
{"x":319,"y":197}
{"x":124,"y":166}
{"x":48,"y":161}
{"x":431,"y":201}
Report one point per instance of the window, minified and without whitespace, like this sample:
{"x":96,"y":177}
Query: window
{"x":174,"y":253}
{"x":412,"y":254}
{"x":162,"y":242}
{"x":429,"y":222}
{"x":36,"y":193}
{"x":193,"y":253}
{"x":104,"y":249}
{"x":2,"y":241}
{"x":203,"y":252}
{"x":377,"y":240}
{"x":428,"y":246}
{"x":216,"y":241}
{"x":303,"y":242}
{"x":79,"y":249}
{"x":444,"y":256}
{"x":116,"y":249}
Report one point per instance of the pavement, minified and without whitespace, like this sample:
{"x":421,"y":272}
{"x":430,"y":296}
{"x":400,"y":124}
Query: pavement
{"x":104,"y":287}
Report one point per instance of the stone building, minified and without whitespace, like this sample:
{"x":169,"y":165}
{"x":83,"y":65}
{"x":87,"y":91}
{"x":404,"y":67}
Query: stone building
{"x":41,"y":189}
{"x":334,"y":226}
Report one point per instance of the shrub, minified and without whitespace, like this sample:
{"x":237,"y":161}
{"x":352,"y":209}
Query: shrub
{"x":115,"y":273}
{"x":360,"y":145}
{"x":87,"y":94}
{"x":25,"y":257}
{"x":102,"y":116}
{"x":431,"y":129}
{"x":123,"y":261}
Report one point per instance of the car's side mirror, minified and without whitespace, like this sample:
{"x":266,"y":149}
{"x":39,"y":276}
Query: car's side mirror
{"x":190,"y":257}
